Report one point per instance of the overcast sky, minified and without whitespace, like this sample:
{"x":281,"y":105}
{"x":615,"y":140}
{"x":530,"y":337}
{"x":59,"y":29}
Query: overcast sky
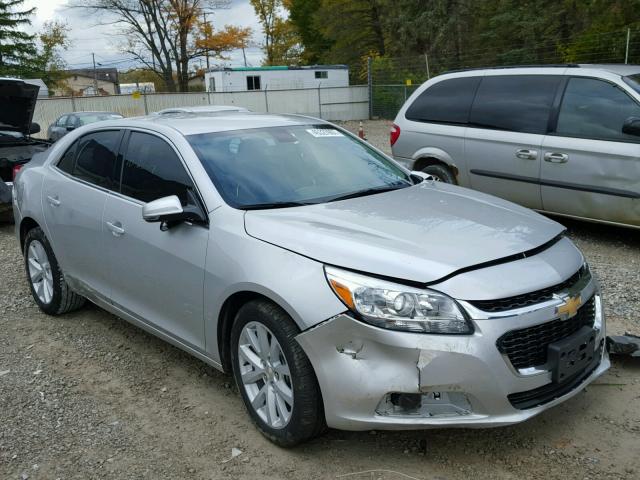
{"x":87,"y":35}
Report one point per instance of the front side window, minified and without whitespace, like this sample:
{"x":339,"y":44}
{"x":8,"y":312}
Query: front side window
{"x":96,"y":158}
{"x":515,"y":103}
{"x":152,"y":170}
{"x":595,"y":109}
{"x":62,"y":121}
{"x":253,"y":82}
{"x":448,"y":101}
{"x":293,"y":165}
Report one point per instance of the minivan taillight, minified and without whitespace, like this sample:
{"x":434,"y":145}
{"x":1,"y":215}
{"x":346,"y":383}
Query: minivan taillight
{"x":16,"y":169}
{"x":394,"y":134}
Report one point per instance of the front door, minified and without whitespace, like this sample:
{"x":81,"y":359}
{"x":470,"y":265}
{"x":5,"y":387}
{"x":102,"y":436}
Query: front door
{"x":508,"y":121}
{"x":156,"y":275}
{"x":73,"y":200}
{"x":591,"y":169}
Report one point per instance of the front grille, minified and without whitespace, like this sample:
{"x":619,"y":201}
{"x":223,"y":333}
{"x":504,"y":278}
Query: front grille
{"x":527,"y":347}
{"x":551,"y":391}
{"x":530,"y":298}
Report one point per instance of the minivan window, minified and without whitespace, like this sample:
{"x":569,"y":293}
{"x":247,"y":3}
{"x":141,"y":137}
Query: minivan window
{"x":96,"y":158}
{"x":516,"y":103}
{"x":152,"y":170}
{"x":448,"y":101}
{"x":293,"y":165}
{"x":595,"y":109}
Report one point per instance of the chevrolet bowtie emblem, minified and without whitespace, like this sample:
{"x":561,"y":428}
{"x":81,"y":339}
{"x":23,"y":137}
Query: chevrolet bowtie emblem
{"x":569,"y":308}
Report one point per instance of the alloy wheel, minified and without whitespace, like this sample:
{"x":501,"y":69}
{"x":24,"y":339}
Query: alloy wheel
{"x":40,"y":271}
{"x":265,"y":374}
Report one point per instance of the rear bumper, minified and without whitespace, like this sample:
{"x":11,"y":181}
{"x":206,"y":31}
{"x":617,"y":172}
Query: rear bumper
{"x":465,"y":380}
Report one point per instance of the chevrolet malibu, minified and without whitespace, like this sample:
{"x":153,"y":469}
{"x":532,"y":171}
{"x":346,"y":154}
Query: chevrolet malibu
{"x":338,"y":288}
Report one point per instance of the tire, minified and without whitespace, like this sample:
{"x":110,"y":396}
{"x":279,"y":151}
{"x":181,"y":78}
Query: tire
{"x":306,"y":412}
{"x":51,"y":293}
{"x":440,"y":173}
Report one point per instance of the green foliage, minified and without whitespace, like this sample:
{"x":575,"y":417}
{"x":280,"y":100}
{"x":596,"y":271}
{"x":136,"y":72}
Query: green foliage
{"x":17,"y":48}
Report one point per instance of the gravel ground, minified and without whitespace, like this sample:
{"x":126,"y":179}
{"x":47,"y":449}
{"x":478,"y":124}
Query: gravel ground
{"x":87,"y":395}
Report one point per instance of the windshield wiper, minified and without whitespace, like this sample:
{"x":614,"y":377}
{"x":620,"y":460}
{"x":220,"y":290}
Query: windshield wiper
{"x":370,"y":191}
{"x":266,"y":206}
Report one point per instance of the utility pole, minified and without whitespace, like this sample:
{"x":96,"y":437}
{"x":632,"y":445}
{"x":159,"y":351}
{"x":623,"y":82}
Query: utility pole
{"x":95,"y":74}
{"x":626,"y":53}
{"x":244,"y":55}
{"x":204,"y":17}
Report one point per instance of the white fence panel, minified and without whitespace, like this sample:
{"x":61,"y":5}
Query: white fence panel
{"x":334,"y":103}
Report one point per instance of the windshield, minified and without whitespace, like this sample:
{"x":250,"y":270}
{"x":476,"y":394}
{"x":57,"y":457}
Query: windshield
{"x":87,"y":119}
{"x":633,"y":81}
{"x":294,"y":165}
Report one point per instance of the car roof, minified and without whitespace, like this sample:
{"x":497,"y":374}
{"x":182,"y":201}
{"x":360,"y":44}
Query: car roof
{"x":618,"y":69}
{"x":193,"y":123}
{"x":80,"y":114}
{"x":201,"y":108}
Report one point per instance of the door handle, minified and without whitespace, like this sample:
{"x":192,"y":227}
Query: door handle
{"x":116,"y":228}
{"x":554,"y":157}
{"x":526,"y":154}
{"x":53,"y":201}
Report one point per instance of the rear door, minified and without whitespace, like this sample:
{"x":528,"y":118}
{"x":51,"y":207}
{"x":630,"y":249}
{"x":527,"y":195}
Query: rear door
{"x":591,"y":169}
{"x":508,"y":121}
{"x":74,"y":196}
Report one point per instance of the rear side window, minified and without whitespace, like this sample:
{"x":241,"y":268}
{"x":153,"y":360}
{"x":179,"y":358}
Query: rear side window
{"x":448,"y":101}
{"x":152,"y":170}
{"x":96,"y":158}
{"x":595,"y":109}
{"x":516,"y":103}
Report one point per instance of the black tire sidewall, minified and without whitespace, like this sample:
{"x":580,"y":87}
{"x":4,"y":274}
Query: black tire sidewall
{"x":53,"y":306}
{"x":440,"y":171}
{"x":307,"y":418}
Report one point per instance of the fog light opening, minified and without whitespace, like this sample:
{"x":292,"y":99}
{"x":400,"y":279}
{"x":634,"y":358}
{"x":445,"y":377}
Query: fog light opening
{"x":429,"y":404}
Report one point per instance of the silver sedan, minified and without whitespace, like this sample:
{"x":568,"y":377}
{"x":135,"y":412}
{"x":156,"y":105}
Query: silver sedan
{"x":338,"y":288}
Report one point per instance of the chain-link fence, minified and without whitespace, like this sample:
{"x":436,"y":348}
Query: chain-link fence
{"x":392,"y":80}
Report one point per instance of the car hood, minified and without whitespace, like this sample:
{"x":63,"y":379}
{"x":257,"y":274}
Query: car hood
{"x":421,"y":233}
{"x":18,"y":100}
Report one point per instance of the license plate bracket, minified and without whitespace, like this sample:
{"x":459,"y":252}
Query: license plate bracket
{"x":572,"y":354}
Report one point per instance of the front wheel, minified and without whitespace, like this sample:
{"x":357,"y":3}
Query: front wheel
{"x":274,"y":376}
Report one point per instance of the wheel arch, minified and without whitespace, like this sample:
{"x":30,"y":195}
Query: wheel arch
{"x":26,"y":224}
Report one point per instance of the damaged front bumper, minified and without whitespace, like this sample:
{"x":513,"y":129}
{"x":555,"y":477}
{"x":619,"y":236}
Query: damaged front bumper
{"x":373,"y":378}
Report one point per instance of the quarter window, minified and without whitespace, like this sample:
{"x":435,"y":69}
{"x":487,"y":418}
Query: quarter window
{"x":516,"y":103}
{"x":152,"y":170}
{"x":253,"y":82}
{"x":96,"y":160}
{"x":595,"y":109}
{"x":448,"y":101}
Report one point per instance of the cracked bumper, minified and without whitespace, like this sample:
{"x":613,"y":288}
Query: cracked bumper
{"x":357,"y":365}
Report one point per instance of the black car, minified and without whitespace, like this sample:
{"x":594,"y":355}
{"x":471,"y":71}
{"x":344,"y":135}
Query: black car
{"x":18,"y":100}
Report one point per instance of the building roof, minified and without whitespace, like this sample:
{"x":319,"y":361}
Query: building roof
{"x":103,"y":74}
{"x":278,"y":67}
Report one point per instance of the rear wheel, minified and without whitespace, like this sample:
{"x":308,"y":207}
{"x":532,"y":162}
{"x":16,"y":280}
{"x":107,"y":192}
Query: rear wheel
{"x":274,"y":376}
{"x":440,"y":173}
{"x":48,"y":286}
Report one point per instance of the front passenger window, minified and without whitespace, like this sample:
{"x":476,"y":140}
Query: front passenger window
{"x":152,"y":170}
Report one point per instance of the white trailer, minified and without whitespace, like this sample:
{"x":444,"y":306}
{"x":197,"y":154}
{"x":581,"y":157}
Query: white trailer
{"x":242,"y":79}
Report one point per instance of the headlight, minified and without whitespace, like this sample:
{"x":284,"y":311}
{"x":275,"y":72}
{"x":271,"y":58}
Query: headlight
{"x":397,"y":307}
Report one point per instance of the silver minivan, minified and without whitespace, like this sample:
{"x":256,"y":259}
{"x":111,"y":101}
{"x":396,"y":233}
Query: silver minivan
{"x":560,"y":139}
{"x":338,"y":288}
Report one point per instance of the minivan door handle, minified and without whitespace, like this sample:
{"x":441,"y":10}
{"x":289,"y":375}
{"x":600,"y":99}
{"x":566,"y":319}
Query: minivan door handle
{"x":116,"y":228}
{"x":554,"y":157}
{"x":527,"y":154}
{"x":53,"y":201}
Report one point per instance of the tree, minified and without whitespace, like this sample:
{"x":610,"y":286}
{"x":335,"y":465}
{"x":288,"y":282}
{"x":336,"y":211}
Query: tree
{"x":52,"y":39}
{"x":302,"y":17}
{"x":217,"y":43}
{"x":17,"y":48}
{"x":159,"y":33}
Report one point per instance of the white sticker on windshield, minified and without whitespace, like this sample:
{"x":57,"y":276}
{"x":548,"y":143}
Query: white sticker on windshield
{"x":324,"y":132}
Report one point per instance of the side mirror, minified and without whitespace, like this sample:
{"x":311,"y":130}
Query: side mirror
{"x":169,"y":211}
{"x":631,"y":126}
{"x":70,"y":127}
{"x":418,"y":177}
{"x":34,"y":128}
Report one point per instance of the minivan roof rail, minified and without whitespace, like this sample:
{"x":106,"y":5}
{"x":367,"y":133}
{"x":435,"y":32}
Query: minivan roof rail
{"x":548,"y":65}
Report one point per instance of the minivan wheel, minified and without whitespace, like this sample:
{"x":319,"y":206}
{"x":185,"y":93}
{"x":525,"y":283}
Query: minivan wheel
{"x":48,"y":286}
{"x":274,"y":376}
{"x":440,"y":173}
